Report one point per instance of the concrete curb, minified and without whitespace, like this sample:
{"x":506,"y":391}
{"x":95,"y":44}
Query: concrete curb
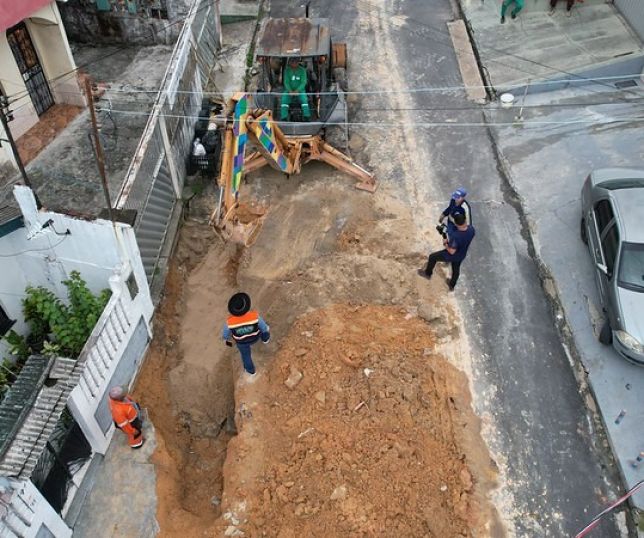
{"x":598,"y":421}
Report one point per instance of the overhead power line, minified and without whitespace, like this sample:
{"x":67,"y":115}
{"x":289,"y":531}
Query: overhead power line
{"x":418,"y":124}
{"x":421,"y":89}
{"x":18,"y":95}
{"x":450,"y":45}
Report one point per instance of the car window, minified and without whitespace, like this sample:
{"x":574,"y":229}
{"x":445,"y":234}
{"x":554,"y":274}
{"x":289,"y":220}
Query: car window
{"x":631,"y":267}
{"x":603,"y":214}
{"x":610,"y":245}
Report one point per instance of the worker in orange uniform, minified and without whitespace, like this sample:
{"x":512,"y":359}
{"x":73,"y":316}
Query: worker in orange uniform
{"x":126,"y":414}
{"x":245,"y":327}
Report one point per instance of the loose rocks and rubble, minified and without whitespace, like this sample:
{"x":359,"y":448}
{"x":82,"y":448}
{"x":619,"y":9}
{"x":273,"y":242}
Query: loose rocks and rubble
{"x":342,"y":453}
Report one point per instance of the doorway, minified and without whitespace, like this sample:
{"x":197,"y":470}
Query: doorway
{"x":30,"y":68}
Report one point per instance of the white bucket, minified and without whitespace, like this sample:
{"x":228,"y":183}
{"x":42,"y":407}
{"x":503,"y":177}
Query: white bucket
{"x":507,"y":100}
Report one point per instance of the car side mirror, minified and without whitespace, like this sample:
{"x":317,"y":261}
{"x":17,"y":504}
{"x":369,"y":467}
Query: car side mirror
{"x":602,"y":268}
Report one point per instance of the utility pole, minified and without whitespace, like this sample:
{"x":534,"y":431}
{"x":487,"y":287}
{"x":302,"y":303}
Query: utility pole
{"x":5,"y":117}
{"x":100,"y":158}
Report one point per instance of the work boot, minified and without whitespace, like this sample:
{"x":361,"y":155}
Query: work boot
{"x":421,"y":272}
{"x":502,"y":19}
{"x":513,"y":15}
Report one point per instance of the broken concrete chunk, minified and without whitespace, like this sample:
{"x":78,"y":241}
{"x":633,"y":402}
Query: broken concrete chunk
{"x":339,"y":493}
{"x":231,"y":530}
{"x":301,"y":352}
{"x":320,"y":396}
{"x":466,"y":480}
{"x":282,"y":493}
{"x":294,"y":378}
{"x":308,"y":334}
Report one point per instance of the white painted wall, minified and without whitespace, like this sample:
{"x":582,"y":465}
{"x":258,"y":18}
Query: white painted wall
{"x":50,"y":39}
{"x":27,"y":511}
{"x":37,"y":257}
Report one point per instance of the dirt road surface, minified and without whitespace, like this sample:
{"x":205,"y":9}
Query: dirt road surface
{"x":342,"y":262}
{"x":377,"y":437}
{"x":329,"y":261}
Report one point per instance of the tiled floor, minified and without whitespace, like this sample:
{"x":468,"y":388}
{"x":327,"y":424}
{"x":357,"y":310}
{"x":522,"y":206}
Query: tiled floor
{"x":50,"y":125}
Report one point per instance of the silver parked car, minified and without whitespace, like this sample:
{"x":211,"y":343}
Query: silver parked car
{"x":612,"y":225}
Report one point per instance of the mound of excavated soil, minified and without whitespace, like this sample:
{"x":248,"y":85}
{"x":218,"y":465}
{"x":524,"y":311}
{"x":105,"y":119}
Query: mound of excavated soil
{"x":376,"y":439}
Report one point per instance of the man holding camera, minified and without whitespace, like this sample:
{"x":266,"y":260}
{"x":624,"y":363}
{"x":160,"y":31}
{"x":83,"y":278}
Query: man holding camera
{"x":456,"y":242}
{"x":457,"y":205}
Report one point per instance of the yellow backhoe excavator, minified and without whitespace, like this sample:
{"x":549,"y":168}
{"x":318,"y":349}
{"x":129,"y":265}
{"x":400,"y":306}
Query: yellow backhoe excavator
{"x":241,"y":124}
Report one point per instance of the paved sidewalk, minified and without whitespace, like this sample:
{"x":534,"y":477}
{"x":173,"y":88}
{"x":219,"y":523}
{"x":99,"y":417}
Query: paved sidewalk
{"x":123,"y":501}
{"x":535,"y":45}
{"x":548,"y":164}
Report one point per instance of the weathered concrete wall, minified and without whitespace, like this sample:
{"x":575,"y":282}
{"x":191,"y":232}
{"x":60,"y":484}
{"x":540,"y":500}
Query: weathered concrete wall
{"x":86,"y":24}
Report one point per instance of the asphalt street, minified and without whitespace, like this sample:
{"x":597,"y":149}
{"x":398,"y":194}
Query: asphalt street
{"x":537,"y":426}
{"x":560,"y":156}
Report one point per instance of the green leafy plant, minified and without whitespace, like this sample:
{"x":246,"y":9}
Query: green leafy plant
{"x":56,"y":328}
{"x":66,"y":325}
{"x":18,"y":345}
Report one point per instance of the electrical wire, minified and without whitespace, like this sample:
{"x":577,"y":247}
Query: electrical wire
{"x":579,"y":78}
{"x":34,"y":250}
{"x":418,"y":124}
{"x":375,"y":92}
{"x":19,"y":95}
{"x":500,"y":51}
{"x":421,"y":89}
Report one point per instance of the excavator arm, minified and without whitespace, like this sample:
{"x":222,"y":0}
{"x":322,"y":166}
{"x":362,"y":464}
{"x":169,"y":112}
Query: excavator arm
{"x":241,"y":222}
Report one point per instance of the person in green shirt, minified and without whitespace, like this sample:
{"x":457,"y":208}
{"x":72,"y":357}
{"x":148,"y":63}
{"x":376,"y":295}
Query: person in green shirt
{"x":294,"y":86}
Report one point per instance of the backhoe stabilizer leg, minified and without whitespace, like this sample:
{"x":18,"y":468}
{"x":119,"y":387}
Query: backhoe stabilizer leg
{"x":341,"y":162}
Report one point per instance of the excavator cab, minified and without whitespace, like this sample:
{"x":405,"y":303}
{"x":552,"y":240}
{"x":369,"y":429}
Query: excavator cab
{"x":255,"y":137}
{"x":308,"y":41}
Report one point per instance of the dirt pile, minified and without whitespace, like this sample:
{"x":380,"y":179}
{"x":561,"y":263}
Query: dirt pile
{"x":356,"y":428}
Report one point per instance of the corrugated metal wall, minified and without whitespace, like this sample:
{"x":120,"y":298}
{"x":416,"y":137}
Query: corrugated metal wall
{"x":148,"y":186}
{"x":633,"y":12}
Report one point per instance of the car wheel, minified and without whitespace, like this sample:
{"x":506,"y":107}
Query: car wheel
{"x":606,"y":334}
{"x":584,"y":235}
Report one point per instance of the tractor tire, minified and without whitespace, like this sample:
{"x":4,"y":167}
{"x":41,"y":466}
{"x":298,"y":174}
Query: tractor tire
{"x":582,"y":232}
{"x":340,"y":75}
{"x":606,"y":334}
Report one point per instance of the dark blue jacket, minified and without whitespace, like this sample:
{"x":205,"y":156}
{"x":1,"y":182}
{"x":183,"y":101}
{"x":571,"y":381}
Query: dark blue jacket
{"x":461,"y":242}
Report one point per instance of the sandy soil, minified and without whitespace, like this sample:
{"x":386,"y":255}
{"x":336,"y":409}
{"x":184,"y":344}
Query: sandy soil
{"x":372,"y":441}
{"x":322,"y":244}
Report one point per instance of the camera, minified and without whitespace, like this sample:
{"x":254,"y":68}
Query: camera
{"x":442,"y":229}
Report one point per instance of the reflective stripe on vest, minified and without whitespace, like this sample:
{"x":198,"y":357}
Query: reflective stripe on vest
{"x":244,"y":327}
{"x":124,"y":411}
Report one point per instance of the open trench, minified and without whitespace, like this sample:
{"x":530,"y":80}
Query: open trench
{"x":325,"y":257}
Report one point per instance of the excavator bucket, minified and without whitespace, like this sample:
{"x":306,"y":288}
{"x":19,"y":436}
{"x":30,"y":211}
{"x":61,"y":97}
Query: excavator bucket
{"x":244,"y":225}
{"x":241,"y":222}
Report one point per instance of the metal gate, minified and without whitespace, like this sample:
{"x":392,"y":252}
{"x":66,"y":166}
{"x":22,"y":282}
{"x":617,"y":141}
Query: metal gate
{"x":633,"y":12}
{"x":30,"y":68}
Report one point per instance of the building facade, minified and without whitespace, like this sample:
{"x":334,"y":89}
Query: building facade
{"x":36,"y":66}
